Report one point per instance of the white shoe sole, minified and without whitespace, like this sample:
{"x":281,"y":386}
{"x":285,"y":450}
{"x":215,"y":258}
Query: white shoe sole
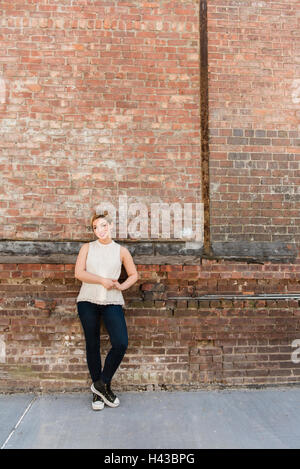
{"x":97,"y":406}
{"x":116,"y":403}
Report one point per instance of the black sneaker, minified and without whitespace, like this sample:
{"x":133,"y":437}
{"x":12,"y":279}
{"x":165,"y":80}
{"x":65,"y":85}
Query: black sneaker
{"x":97,"y":403}
{"x":104,"y":390}
{"x":111,"y":393}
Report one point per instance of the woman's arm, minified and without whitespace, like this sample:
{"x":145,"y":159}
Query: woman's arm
{"x":130,"y":268}
{"x":84,"y":276}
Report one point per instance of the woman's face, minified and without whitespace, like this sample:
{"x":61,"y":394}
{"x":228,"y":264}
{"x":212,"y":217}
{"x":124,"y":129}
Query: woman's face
{"x":102,"y":228}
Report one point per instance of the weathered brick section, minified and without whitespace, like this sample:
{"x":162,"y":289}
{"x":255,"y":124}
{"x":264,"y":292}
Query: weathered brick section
{"x":255,"y":185}
{"x":254,"y":97}
{"x":173,"y":344}
{"x":253,"y":64}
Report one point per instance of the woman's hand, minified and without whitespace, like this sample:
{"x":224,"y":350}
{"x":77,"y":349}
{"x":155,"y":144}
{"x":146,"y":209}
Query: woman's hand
{"x":108,"y":283}
{"x":118,"y":285}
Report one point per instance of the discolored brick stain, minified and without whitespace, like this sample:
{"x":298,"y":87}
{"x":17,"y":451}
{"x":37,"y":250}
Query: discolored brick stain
{"x":204,"y":122}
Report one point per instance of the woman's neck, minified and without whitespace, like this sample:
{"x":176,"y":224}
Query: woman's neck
{"x":106,"y":242}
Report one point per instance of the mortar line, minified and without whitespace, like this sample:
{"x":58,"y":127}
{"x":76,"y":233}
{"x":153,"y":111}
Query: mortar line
{"x":18,"y":422}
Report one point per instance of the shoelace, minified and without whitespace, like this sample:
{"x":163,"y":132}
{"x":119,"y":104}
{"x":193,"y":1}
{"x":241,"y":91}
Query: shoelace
{"x":96,"y":398}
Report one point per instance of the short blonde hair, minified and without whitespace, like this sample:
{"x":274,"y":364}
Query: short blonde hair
{"x":104,"y":214}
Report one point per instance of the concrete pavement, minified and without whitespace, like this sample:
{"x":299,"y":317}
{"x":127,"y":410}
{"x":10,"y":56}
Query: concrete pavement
{"x":243,"y":418}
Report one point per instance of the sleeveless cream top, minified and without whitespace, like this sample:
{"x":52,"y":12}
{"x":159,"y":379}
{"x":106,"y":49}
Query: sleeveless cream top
{"x":103,"y":260}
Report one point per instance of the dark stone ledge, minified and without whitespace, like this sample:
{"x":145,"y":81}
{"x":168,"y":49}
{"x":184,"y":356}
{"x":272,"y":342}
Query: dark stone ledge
{"x":60,"y":252}
{"x":153,"y":252}
{"x":255,"y":251}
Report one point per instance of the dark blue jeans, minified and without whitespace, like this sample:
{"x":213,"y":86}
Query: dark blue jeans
{"x":90,"y":315}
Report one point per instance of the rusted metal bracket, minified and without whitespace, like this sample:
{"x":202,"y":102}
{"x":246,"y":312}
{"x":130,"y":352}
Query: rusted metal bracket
{"x":263,"y":296}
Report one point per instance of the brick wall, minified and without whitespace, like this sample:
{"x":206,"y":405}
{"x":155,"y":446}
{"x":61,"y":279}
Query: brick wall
{"x":172,"y":344}
{"x":254,"y":97}
{"x":101,"y":99}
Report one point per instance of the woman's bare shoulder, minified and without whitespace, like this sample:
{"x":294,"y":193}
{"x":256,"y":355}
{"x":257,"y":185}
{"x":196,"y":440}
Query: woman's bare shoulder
{"x":84,"y":247}
{"x":124,"y":252}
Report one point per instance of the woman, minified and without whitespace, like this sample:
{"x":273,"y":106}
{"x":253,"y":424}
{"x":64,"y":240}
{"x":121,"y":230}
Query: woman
{"x":98,"y":266}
